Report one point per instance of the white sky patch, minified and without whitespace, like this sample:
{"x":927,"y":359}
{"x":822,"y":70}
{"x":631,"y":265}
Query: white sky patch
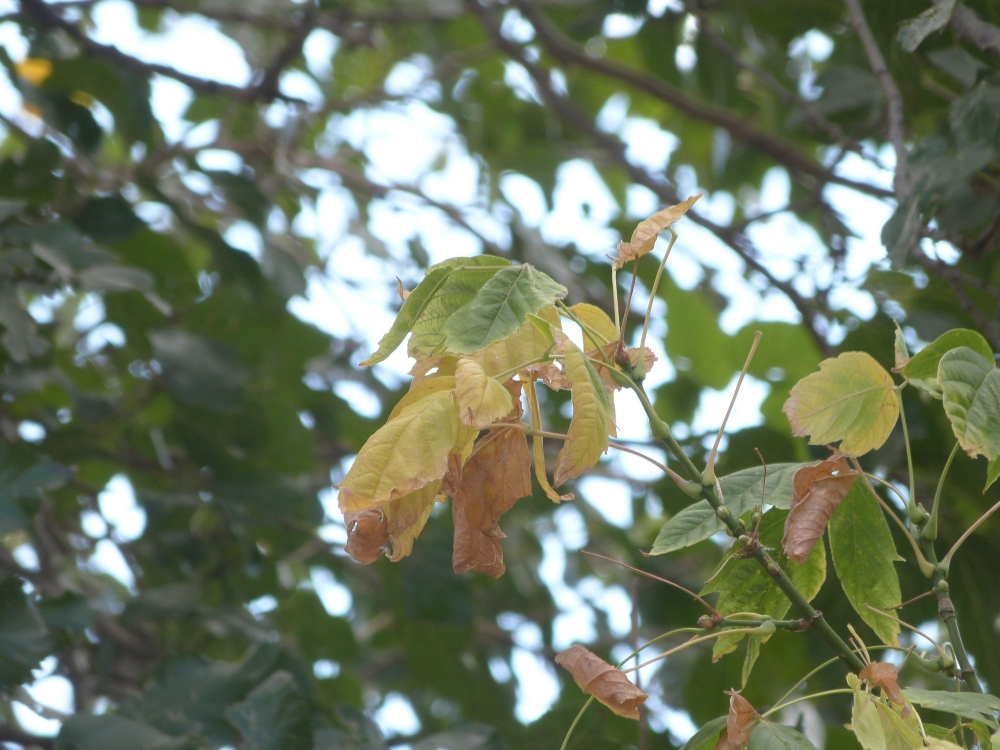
{"x":51,"y":691}
{"x":335,"y":596}
{"x":537,"y":685}
{"x":120,"y":509}
{"x":621,"y":25}
{"x":396,"y":716}
{"x":359,"y":397}
{"x":746,"y":412}
{"x":611,"y":498}
{"x":107,"y":558}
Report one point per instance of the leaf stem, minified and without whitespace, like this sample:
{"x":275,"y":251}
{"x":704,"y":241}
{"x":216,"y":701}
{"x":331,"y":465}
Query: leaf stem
{"x":710,"y":463}
{"x":911,"y":506}
{"x":661,"y":432}
{"x":926,"y":567}
{"x":503,"y":376}
{"x":888,"y":485}
{"x":931,"y":527}
{"x":569,"y":732}
{"x":656,"y":284}
{"x":837,"y":691}
{"x":691,"y":642}
{"x":945,"y":656}
{"x":958,"y":543}
{"x":614,"y":295}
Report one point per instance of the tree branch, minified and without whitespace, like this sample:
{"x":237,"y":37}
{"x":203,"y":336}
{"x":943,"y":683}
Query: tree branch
{"x":666,"y":192}
{"x":893,"y":99}
{"x":738,"y":127}
{"x":971,"y":28}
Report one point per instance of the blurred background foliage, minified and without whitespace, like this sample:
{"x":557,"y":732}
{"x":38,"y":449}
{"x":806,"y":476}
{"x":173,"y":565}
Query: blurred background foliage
{"x":178,"y":242}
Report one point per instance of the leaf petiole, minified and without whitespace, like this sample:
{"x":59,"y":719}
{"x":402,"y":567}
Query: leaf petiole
{"x":946,"y":561}
{"x":656,"y":284}
{"x":778,"y":707}
{"x":931,"y":528}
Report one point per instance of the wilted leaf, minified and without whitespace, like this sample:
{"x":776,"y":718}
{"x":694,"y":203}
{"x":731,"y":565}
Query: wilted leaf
{"x":496,"y":475}
{"x":609,"y":351}
{"x":817,"y":491}
{"x":968,"y":705}
{"x":883,"y":675}
{"x":598,"y":320}
{"x":645,"y":234}
{"x":922,"y":369}
{"x":863,"y":554}
{"x":970,"y":385}
{"x":445,"y":288}
{"x":401,"y":290}
{"x":741,"y":491}
{"x":367,"y":534}
{"x":851,"y":399}
{"x":596,"y":677}
{"x":406,"y":517}
{"x":901,"y":355}
{"x":592,"y":421}
{"x":500,"y":307}
{"x":741,"y":719}
{"x":481,"y":399}
{"x":405,"y":454}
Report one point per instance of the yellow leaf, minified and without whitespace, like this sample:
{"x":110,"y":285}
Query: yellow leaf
{"x":481,"y":399}
{"x":407,"y":453}
{"x":598,"y":320}
{"x":592,"y":421}
{"x":406,"y":517}
{"x":437,"y":364}
{"x":851,"y":399}
{"x":34,"y":70}
{"x":420,"y":389}
{"x":644,"y":236}
{"x":526,"y":344}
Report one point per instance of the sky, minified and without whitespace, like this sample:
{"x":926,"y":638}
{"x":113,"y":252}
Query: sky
{"x":353,"y":298}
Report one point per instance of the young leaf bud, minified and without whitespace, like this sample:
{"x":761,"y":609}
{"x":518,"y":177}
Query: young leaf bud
{"x":705,"y":621}
{"x":766,"y":628}
{"x":722,"y":512}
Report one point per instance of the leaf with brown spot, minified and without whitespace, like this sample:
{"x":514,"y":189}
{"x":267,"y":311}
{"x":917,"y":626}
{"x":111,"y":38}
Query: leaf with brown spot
{"x":742,"y":717}
{"x":367,"y":533}
{"x":596,"y":677}
{"x":817,"y":490}
{"x":883,"y":675}
{"x":496,"y":476}
{"x":645,"y":234}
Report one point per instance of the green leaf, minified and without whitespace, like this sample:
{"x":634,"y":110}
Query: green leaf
{"x":922,"y":369}
{"x":863,"y":554}
{"x":865,"y":721}
{"x":753,"y":651}
{"x":970,"y":386}
{"x":112,"y":732}
{"x":274,"y":716}
{"x":992,"y":473}
{"x":744,"y":586}
{"x":769,"y":736}
{"x":466,"y":736}
{"x":851,"y":399}
{"x":706,"y":737}
{"x":914,"y":30}
{"x":25,"y":474}
{"x":741,"y":491}
{"x":200,"y":371}
{"x":972,"y":706}
{"x":500,"y":308}
{"x":445,"y":288}
{"x":24,"y":640}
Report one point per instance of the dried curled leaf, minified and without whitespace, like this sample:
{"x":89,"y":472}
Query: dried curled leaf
{"x":883,"y":675}
{"x":401,"y":290}
{"x":367,"y":533}
{"x":645,"y":234}
{"x":742,"y":717}
{"x":633,"y":357}
{"x":496,"y":476}
{"x":817,"y":490}
{"x":596,"y":677}
{"x":481,"y":399}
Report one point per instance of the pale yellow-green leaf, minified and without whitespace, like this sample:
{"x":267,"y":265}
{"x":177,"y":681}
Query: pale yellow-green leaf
{"x":598,"y":321}
{"x":526,"y":345}
{"x":865,"y":721}
{"x":645,"y":234}
{"x":900,"y":733}
{"x":592,"y":417}
{"x":406,"y":518}
{"x":482,"y":400}
{"x":901,"y":352}
{"x":405,"y":454}
{"x":851,"y":399}
{"x":420,"y":389}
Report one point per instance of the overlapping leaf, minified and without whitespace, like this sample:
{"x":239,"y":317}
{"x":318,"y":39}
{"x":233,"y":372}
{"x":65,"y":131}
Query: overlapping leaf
{"x":596,"y":677}
{"x":482,"y":400}
{"x":406,"y":516}
{"x":741,"y":491}
{"x":864,"y":555}
{"x":921,"y":370}
{"x":742,"y":717}
{"x":526,"y":345}
{"x":770,"y":736}
{"x":851,"y":399}
{"x":971,"y":706}
{"x":970,"y":386}
{"x":592,"y":417}
{"x":445,"y":288}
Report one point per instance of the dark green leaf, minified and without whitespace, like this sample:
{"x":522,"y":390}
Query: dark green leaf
{"x":275,"y":716}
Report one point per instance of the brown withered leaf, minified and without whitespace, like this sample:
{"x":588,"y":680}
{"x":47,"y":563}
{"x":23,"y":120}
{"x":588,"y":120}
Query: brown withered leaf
{"x":645,"y":234}
{"x":596,"y":677}
{"x":609,"y":349}
{"x":883,"y":675}
{"x":367,"y":533}
{"x":496,"y":476}
{"x":402,"y":291}
{"x":742,"y":717}
{"x":817,"y":490}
